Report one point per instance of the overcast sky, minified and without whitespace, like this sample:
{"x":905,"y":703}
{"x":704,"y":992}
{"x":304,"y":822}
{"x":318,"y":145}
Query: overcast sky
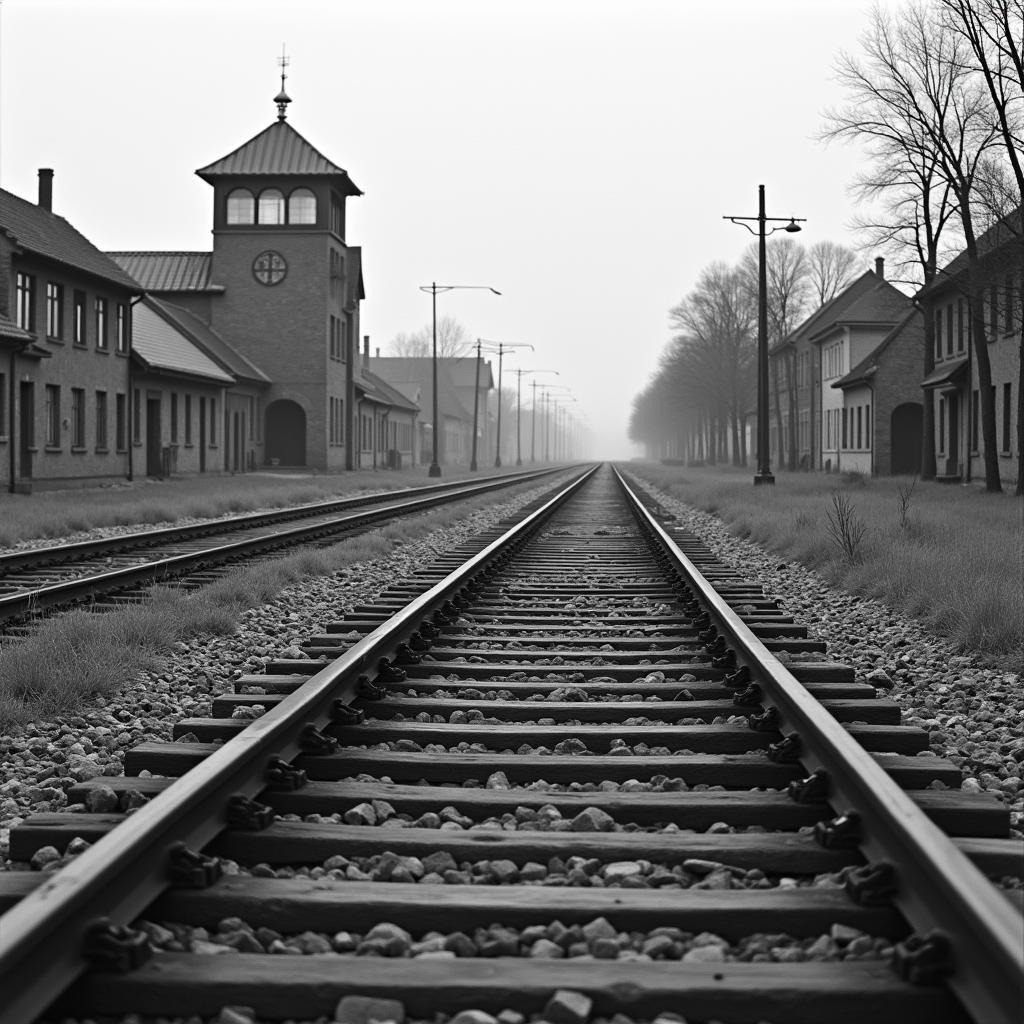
{"x":577,"y":155}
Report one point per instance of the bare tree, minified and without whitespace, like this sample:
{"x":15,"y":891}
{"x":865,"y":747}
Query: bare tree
{"x":452,"y":340}
{"x":905,"y":176}
{"x":994,"y":33}
{"x":830,"y":268}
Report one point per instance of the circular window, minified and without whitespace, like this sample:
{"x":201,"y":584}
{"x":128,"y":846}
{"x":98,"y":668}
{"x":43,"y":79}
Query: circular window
{"x":269,"y":267}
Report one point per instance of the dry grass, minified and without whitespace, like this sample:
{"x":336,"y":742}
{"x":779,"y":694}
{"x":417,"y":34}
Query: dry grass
{"x":55,"y":514}
{"x":73,"y":657}
{"x":948,"y":556}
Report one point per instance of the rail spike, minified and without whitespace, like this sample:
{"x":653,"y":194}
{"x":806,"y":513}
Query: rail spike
{"x":767,"y":720}
{"x":282,"y":776}
{"x":749,"y":698}
{"x":313,"y":741}
{"x":187,"y":869}
{"x":924,"y":959}
{"x":250,"y":815}
{"x":872,"y":885}
{"x":388,"y":672}
{"x":739,"y":679}
{"x":786,"y":751}
{"x":725,"y":661}
{"x":371,"y":691}
{"x":405,"y":655}
{"x":840,"y":833}
{"x":342,"y":713}
{"x":115,"y":947}
{"x":811,"y":790}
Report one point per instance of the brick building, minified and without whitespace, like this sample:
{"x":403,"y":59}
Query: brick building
{"x":65,"y":345}
{"x":281,"y":288}
{"x":953,"y":386}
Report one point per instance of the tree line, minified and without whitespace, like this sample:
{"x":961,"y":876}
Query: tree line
{"x":935,"y":97}
{"x":695,"y":404}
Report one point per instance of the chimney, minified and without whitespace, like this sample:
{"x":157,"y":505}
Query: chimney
{"x":46,"y":188}
{"x":880,"y":267}
{"x":376,"y":353}
{"x":366,"y":351}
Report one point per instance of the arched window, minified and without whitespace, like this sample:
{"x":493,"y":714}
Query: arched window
{"x":241,"y":206}
{"x":302,"y":207}
{"x":271,"y":206}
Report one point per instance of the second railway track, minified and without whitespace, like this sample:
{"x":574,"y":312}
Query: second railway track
{"x":569,"y":776}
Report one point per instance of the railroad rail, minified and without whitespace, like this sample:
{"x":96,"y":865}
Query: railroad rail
{"x":41,"y":578}
{"x":638,"y":711}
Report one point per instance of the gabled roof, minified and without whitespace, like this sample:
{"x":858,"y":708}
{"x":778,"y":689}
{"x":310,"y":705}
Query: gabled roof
{"x":877,"y":305}
{"x":1005,"y":231}
{"x":833,"y":307}
{"x":418,"y":371}
{"x":911,"y":328}
{"x":277,"y":150}
{"x":948,"y":372}
{"x":389,"y":394}
{"x":160,"y":346}
{"x":203,"y":335}
{"x":43,"y":233}
{"x":169,"y":271}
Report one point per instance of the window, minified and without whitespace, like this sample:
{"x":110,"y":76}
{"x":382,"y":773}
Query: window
{"x":1007,"y":389}
{"x":341,"y":420}
{"x":241,"y":206}
{"x":122,"y":328}
{"x":3,"y":405}
{"x":271,"y":209}
{"x":860,"y":427}
{"x":213,"y":421}
{"x":250,"y":404}
{"x":188,"y":419}
{"x":960,"y":325}
{"x":845,"y":434}
{"x":343,"y":339}
{"x":867,"y":425}
{"x":993,"y":310}
{"x":1008,"y":302}
{"x":78,"y":323}
{"x":136,"y":417}
{"x":332,"y":422}
{"x":53,"y":415}
{"x":974,"y":420}
{"x":121,"y":421}
{"x":949,"y":329}
{"x":174,"y":417}
{"x":337,"y":217}
{"x":25,"y":289}
{"x":101,"y":323}
{"x":333,"y":341}
{"x":942,"y":425}
{"x":78,"y":417}
{"x":101,"y":420}
{"x":54,"y":310}
{"x":302,"y":207}
{"x":938,"y":334}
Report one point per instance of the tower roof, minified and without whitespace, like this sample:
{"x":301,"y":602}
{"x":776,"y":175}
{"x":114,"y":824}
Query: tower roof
{"x":276,"y":151}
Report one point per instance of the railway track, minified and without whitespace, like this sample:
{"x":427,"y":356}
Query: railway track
{"x":34,"y":580}
{"x":584,"y":771}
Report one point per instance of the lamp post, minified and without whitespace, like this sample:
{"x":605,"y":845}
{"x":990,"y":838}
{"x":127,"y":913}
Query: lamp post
{"x":764,"y":473}
{"x":476,"y":404}
{"x":434,"y":288}
{"x":519,"y":391}
{"x":503,"y":347}
{"x":546,"y":398}
{"x":563,"y":413}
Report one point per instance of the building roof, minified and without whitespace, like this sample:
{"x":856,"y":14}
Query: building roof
{"x":910,"y":327}
{"x":277,"y":150}
{"x":948,"y":372}
{"x":43,"y":233}
{"x":164,"y":348}
{"x":169,"y":271}
{"x":418,"y":371}
{"x":203,"y":335}
{"x":853,"y":291}
{"x":386,"y":392}
{"x":878,"y":305}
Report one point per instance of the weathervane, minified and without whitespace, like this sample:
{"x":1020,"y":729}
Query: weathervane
{"x":282,"y":99}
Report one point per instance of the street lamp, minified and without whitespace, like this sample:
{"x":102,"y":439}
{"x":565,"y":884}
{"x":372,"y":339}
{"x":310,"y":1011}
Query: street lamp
{"x":764,"y":473}
{"x":519,"y":391}
{"x":503,"y":347}
{"x":434,"y":288}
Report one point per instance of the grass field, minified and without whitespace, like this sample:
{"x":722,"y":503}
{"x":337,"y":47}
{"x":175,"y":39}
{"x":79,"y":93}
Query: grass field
{"x":953,"y":558}
{"x":52,"y":514}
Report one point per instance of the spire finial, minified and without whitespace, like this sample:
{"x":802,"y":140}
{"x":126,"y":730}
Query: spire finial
{"x":282,"y":99}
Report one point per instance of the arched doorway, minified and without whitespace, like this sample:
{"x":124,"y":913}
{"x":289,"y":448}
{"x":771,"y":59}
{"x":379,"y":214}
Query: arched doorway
{"x":286,"y":433}
{"x":905,"y":435}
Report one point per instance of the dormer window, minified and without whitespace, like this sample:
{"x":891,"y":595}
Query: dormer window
{"x":302,"y":207}
{"x":241,"y":206}
{"x":271,"y":206}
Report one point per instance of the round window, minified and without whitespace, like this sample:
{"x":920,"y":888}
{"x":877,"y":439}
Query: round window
{"x":269,"y":267}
